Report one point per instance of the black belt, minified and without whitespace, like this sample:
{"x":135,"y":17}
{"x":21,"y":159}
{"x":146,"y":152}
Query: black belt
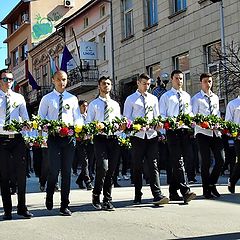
{"x":10,"y":136}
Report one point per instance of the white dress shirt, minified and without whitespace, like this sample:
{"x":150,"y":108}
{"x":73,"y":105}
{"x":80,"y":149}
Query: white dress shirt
{"x":18,"y":110}
{"x":49,"y":108}
{"x":96,"y":110}
{"x":233,"y":111}
{"x":169,"y":103}
{"x":200,"y":105}
{"x":134,"y":107}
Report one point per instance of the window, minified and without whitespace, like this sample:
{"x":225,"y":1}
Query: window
{"x":181,"y":62}
{"x":24,"y":51}
{"x":15,"y":57}
{"x":179,"y":5}
{"x":102,"y":10}
{"x":154,"y":70}
{"x":85,"y":22}
{"x":127,"y":7}
{"x":150,"y":12}
{"x":102,"y":46}
{"x":45,"y":74}
{"x":16,"y":25}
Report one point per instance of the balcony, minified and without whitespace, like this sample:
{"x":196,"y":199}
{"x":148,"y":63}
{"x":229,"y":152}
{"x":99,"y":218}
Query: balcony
{"x":83,"y":79}
{"x":34,"y":97}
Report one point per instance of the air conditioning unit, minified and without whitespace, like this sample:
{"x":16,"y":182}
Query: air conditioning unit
{"x":7,"y":61}
{"x":69,"y":3}
{"x":25,"y":18}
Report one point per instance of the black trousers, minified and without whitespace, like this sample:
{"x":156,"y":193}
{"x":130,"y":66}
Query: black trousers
{"x":61,"y":152}
{"x":13,"y":156}
{"x":107,"y":153}
{"x":82,"y":155}
{"x":236,"y":170}
{"x":145,"y":150}
{"x":178,"y":145}
{"x":37,"y":158}
{"x":206,"y":144}
{"x":44,"y":167}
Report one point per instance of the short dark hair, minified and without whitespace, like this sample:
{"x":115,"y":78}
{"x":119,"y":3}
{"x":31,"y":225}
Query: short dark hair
{"x":177,"y":71}
{"x":81,"y":102}
{"x":5,"y":70}
{"x":103,"y":78}
{"x":144,"y":76}
{"x":205,"y":75}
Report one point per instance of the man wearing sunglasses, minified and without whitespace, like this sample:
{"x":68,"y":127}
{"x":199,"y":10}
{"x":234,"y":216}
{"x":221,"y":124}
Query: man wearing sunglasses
{"x":12,"y":147}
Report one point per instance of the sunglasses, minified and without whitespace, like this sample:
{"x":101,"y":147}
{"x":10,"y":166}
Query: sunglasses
{"x":6,"y":79}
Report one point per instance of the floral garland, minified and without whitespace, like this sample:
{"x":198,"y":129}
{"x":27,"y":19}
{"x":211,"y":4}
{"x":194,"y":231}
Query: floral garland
{"x":122,"y":125}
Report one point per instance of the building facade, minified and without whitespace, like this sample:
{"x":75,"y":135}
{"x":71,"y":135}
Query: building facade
{"x":159,"y":36}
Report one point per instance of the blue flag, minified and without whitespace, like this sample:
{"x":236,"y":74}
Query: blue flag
{"x":66,"y":57}
{"x":32,"y":82}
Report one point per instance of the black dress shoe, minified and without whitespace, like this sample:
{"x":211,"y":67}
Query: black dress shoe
{"x":25,"y":214}
{"x":89,"y":186}
{"x":7,"y":216}
{"x":189,"y":196}
{"x":49,"y":203}
{"x":231,"y":187}
{"x":65,"y":212}
{"x":96,"y":202}
{"x":214,"y":191}
{"x":175,"y":197}
{"x":159,"y":200}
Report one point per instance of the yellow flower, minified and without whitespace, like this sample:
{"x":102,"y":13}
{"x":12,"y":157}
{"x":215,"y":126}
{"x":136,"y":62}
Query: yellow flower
{"x":137,"y":127}
{"x":78,"y":128}
{"x":234,"y":134}
{"x":180,"y":123}
{"x":35,"y":124}
{"x":100,"y":126}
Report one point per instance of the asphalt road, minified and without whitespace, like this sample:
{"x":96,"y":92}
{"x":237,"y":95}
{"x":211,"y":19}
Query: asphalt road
{"x":200,"y":219}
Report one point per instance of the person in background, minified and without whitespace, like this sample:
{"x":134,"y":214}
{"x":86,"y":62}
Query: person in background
{"x":233,"y":115}
{"x":12,"y":146}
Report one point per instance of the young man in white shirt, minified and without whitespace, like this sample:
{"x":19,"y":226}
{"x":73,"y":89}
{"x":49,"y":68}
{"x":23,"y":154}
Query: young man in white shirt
{"x":172,"y":103}
{"x":233,"y":115}
{"x":106,"y":148}
{"x":145,"y":142}
{"x":12,"y":146}
{"x":207,"y":103}
{"x":60,"y":105}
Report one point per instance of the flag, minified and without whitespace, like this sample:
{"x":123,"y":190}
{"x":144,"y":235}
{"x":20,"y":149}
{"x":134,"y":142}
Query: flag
{"x":15,"y":86}
{"x":53,"y":66}
{"x":32,"y":82}
{"x":66,"y":57}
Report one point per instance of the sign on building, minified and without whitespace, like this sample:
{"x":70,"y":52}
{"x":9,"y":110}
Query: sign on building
{"x":88,"y":50}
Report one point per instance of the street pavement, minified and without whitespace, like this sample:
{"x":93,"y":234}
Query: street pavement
{"x":200,"y":219}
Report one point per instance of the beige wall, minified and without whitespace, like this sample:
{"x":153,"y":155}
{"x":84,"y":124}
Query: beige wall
{"x":186,"y":32}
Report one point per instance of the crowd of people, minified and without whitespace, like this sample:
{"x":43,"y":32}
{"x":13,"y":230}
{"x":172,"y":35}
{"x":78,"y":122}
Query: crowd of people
{"x":99,"y":158}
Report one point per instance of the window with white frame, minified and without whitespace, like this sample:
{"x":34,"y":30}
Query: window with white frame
{"x":102,"y":47}
{"x":179,"y":5}
{"x":150,"y":12}
{"x":127,"y":11}
{"x":15,"y":56}
{"x":181,"y":62}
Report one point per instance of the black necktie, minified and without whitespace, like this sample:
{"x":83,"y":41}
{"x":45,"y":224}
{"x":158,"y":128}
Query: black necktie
{"x":180,"y":103}
{"x":106,"y":111}
{"x":210,"y":105}
{"x":7,"y":117}
{"x":60,"y":107}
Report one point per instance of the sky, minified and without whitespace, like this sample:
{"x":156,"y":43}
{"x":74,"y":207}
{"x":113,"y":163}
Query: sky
{"x":6,"y":7}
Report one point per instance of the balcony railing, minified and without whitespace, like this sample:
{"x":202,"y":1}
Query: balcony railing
{"x":34,"y":96}
{"x":87,"y":75}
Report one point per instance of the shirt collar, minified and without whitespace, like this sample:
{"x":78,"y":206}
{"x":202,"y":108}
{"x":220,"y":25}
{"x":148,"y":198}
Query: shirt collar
{"x":175,"y":91}
{"x":104,"y":99}
{"x":58,"y":93}
{"x":204,"y":94}
{"x":4,"y":94}
{"x":143,"y":94}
